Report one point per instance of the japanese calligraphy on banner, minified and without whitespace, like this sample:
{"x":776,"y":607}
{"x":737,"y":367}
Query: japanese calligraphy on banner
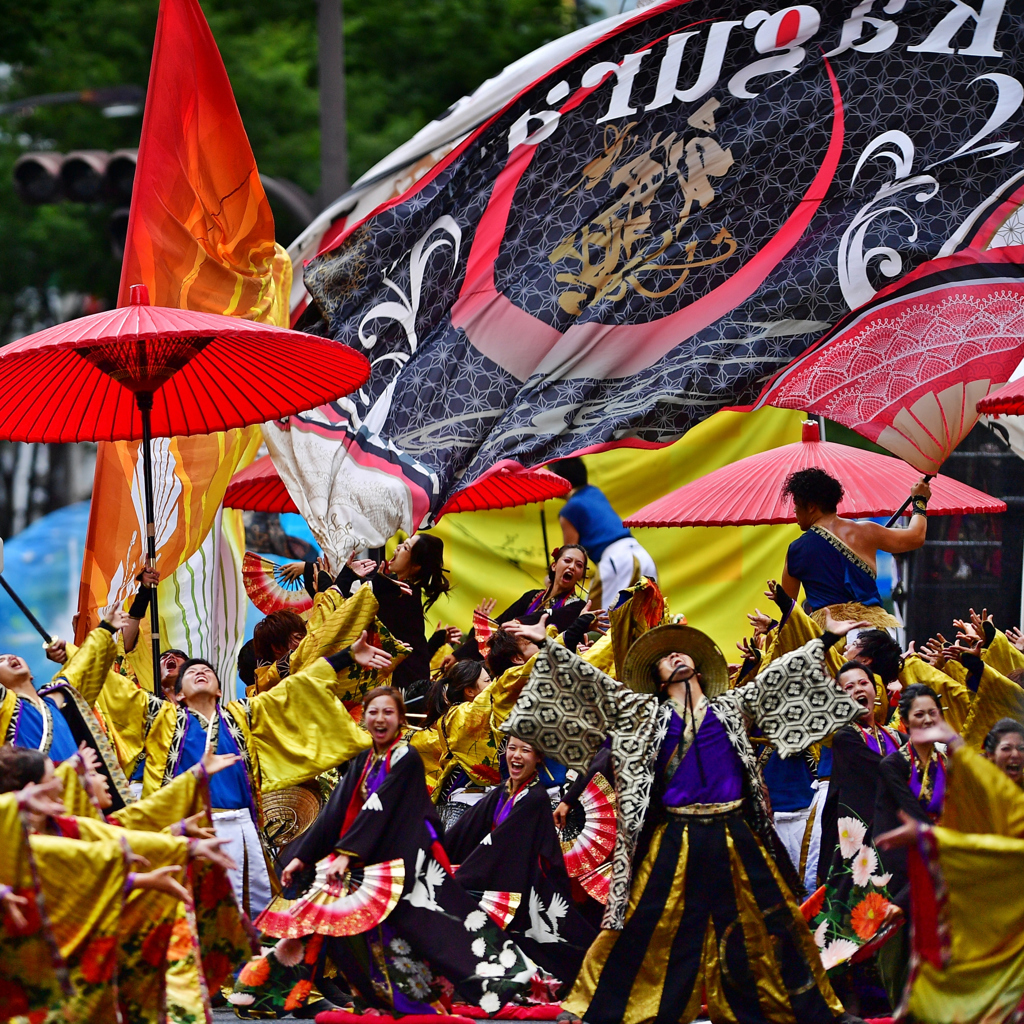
{"x":654,"y":230}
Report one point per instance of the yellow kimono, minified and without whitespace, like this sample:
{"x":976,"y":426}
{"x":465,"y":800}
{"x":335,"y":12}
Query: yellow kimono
{"x":970,"y":970}
{"x":334,"y":623}
{"x":1002,"y":655}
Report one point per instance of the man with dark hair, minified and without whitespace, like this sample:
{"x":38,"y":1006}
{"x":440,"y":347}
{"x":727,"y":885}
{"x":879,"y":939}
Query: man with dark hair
{"x":834,"y":560}
{"x":588,"y":519}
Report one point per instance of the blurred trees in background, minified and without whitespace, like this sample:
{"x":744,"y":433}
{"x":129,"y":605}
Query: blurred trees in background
{"x":405,"y":64}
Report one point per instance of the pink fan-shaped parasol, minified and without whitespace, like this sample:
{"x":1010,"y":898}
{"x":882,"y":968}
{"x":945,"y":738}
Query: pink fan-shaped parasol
{"x":270,"y":589}
{"x":749,"y":492}
{"x":589,"y":834}
{"x":365,"y":897}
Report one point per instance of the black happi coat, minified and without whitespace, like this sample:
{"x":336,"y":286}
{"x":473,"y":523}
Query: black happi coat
{"x":523,"y":855}
{"x":895,"y":795}
{"x":433,"y":911}
{"x":562,"y":618}
{"x":853,"y":788}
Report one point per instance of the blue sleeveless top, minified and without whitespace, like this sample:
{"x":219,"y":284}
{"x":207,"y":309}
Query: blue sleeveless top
{"x":830,"y":572}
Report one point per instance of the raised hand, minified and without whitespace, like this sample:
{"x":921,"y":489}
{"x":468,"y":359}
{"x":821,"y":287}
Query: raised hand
{"x":759,"y":622}
{"x":190,"y":827}
{"x":362,"y":567}
{"x":941,"y":732}
{"x":453,"y":635}
{"x":336,"y":871}
{"x":841,"y":628}
{"x":13,"y":904}
{"x":1016,"y":637}
{"x":561,"y":815}
{"x":160,"y":880}
{"x":114,"y":615}
{"x":905,"y":835}
{"x":90,"y":762}
{"x":366,"y":656}
{"x":148,"y":577}
{"x":42,"y":798}
{"x":214,"y":763}
{"x":292,"y":571}
{"x":294,"y":867}
{"x":210,"y":850}
{"x":57,"y":651}
{"x":486,"y":607}
{"x":535,"y":634}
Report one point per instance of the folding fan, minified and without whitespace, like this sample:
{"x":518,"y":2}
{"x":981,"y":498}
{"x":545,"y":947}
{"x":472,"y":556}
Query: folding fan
{"x":269,"y":589}
{"x":595,"y":883}
{"x":589,"y":834}
{"x":365,"y":898}
{"x":500,"y":907}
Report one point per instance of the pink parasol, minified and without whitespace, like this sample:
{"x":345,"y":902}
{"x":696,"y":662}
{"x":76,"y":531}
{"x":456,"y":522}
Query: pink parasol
{"x":749,"y":492}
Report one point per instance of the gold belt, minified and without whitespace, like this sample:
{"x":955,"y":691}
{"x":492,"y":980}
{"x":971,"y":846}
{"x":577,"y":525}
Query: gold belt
{"x":705,"y":810}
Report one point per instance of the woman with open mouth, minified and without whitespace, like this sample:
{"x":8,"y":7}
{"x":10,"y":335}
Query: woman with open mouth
{"x":560,"y":598}
{"x":507,"y":843}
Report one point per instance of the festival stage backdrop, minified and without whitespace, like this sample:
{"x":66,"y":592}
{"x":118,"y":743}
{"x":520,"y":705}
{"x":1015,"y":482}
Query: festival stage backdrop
{"x":200,"y":236}
{"x":657,"y":227}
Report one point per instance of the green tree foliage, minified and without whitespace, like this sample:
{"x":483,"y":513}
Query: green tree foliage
{"x":405,"y":64}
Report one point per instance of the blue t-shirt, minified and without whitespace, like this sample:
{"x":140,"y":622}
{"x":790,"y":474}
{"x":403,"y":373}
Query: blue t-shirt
{"x":789,"y":783}
{"x":30,"y":731}
{"x":595,"y":520}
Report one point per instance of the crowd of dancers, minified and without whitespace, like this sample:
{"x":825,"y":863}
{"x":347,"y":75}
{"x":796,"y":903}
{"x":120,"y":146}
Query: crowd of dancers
{"x":575,"y":809}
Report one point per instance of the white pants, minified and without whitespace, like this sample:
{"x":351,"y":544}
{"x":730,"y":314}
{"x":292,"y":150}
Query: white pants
{"x":791,"y":827}
{"x":615,"y":570}
{"x":243,"y":846}
{"x":814,"y":848}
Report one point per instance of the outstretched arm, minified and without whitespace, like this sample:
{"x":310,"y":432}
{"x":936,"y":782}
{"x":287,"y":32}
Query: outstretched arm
{"x":898,"y":542}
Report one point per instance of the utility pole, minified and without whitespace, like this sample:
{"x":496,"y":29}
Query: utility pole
{"x":333,"y":135}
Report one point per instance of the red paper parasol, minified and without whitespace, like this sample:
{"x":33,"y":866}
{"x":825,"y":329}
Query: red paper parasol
{"x":749,"y":492}
{"x":259,"y":488}
{"x":1007,"y":401}
{"x":144,"y":371}
{"x":507,"y":487}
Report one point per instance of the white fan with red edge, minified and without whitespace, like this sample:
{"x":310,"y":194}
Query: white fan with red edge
{"x":588,"y":838}
{"x":365,"y":897}
{"x":269,"y":589}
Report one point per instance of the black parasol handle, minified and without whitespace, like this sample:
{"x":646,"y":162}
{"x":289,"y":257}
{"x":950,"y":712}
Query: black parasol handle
{"x":24,"y":610}
{"x":903,"y":507}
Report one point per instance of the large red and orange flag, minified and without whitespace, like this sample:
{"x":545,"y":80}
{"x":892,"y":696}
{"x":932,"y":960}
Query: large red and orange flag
{"x":200,"y":236}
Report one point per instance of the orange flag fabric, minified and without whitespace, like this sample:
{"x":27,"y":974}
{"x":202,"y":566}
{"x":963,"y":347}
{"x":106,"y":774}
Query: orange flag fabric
{"x":200,"y":236}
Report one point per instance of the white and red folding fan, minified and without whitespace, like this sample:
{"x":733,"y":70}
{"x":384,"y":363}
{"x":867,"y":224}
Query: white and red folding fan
{"x":500,"y":907}
{"x":595,"y":883}
{"x":365,"y":897}
{"x":589,"y":834}
{"x":269,"y":589}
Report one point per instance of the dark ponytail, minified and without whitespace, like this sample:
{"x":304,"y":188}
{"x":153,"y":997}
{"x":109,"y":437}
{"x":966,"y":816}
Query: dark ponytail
{"x":451,"y":688}
{"x":427,"y":554}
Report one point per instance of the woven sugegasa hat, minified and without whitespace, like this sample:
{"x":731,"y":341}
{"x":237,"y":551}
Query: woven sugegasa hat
{"x":656,"y":643}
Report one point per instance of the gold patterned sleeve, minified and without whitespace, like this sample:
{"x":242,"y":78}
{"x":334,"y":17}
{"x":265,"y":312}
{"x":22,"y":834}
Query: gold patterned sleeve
{"x":161,"y":810}
{"x":981,"y":798}
{"x":956,"y":698}
{"x":997,"y":697}
{"x":791,"y":635}
{"x":299,"y":729}
{"x":335,"y":622}
{"x":1002,"y":655}
{"x":86,"y":670}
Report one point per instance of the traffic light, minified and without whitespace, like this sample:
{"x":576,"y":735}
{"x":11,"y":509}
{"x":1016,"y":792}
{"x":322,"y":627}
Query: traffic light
{"x":83,"y":176}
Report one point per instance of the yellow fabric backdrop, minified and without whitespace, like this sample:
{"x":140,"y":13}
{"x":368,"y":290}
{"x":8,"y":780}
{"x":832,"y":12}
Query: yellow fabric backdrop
{"x":714,"y":575}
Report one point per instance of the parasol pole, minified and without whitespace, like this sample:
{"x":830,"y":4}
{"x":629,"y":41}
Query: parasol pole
{"x":24,"y":611}
{"x":544,"y":531}
{"x":144,"y":400}
{"x":903,"y":507}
